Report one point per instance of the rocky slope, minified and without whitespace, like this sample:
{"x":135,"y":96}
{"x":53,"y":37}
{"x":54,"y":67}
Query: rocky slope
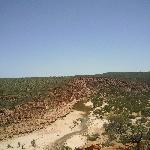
{"x":38,"y":113}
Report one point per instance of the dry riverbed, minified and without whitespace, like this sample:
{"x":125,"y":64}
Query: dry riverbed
{"x":72,"y":130}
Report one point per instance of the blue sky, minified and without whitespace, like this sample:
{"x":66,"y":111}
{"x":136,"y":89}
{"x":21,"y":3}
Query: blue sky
{"x":68,"y":37}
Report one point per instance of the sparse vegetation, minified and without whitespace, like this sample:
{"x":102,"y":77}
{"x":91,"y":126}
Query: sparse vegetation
{"x":19,"y":91}
{"x":126,"y":105}
{"x":92,"y":137}
{"x":9,"y":146}
{"x":119,"y":111}
{"x":33,"y":143}
{"x":66,"y":148}
{"x":133,"y":76}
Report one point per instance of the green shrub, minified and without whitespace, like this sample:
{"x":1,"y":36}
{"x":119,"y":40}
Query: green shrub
{"x":92,"y":137}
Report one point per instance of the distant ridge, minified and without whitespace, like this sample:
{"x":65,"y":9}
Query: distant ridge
{"x":136,"y":76}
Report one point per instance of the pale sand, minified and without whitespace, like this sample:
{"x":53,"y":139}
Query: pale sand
{"x":76,"y":141}
{"x":58,"y":131}
{"x":95,"y":126}
{"x":46,"y":136}
{"x":88,"y":104}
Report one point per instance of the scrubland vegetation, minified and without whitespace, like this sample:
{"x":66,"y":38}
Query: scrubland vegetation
{"x":128,"y":114}
{"x":134,"y":76}
{"x":121,"y":98}
{"x":21,"y":90}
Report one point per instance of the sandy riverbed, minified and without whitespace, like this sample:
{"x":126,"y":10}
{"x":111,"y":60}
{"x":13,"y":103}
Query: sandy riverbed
{"x":64,"y":131}
{"x":47,"y":135}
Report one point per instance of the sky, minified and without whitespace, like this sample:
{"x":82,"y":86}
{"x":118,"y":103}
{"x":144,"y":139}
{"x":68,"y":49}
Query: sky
{"x":70,"y":37}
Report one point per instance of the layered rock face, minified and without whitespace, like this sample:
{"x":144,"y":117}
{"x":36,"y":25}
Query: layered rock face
{"x":39,"y":112}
